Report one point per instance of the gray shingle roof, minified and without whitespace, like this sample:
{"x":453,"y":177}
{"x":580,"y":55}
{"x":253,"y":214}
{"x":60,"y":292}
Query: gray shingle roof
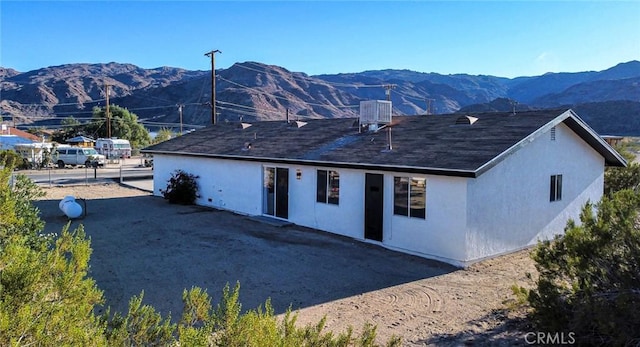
{"x":427,"y":144}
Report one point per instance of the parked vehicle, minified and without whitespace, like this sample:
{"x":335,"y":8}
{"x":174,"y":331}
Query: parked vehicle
{"x":113,"y":148}
{"x":67,"y":155}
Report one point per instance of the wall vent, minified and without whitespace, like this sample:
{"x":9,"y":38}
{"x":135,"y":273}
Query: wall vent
{"x":553,"y":133}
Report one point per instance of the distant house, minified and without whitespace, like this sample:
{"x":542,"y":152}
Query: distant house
{"x":456,"y":188}
{"x":81,"y":141}
{"x":9,"y":137}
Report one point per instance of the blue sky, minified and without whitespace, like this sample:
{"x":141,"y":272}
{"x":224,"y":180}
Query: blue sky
{"x":509,"y":39}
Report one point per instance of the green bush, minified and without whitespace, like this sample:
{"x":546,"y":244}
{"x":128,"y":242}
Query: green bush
{"x":589,"y":279}
{"x":11,"y":159}
{"x":182,"y":188}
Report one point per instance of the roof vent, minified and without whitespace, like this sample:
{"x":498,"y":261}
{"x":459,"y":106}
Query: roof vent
{"x":466,"y":120}
{"x":375,"y":112}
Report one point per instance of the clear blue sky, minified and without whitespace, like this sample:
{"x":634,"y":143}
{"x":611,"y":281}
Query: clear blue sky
{"x":509,"y":39}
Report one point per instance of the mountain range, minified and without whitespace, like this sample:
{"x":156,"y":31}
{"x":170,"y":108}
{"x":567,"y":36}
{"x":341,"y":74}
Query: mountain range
{"x":608,"y":100}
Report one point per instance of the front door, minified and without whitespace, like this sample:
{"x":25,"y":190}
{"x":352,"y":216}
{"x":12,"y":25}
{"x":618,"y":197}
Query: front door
{"x":275,"y":195}
{"x":373,"y":206}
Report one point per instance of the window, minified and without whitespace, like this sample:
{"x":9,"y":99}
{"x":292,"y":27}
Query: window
{"x":410,"y":196}
{"x":328,"y":187}
{"x":556,"y":188}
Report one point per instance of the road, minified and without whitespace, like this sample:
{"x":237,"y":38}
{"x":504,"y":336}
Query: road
{"x":126,"y":170}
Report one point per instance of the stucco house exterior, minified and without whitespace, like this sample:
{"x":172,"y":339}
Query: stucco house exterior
{"x":456,"y":188}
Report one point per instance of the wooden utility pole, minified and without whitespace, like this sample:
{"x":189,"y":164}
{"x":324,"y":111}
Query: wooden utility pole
{"x":213,"y":84}
{"x":106,"y":90}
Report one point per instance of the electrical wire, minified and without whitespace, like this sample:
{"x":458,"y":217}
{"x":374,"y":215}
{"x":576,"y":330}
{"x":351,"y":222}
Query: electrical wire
{"x":282,"y":97}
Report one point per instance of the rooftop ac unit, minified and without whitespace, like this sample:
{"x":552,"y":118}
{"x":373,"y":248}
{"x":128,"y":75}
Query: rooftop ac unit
{"x":375,"y":112}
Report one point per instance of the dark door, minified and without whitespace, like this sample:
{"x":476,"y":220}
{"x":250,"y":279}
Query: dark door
{"x":282,"y":193}
{"x":373,"y":206}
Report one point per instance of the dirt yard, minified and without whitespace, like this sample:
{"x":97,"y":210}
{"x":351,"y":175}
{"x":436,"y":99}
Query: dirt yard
{"x":141,"y":242}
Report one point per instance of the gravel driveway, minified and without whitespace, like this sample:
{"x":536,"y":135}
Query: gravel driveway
{"x":144,"y":243}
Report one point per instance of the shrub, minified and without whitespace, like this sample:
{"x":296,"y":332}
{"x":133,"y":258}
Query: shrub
{"x":182,"y":188}
{"x":589,"y":280}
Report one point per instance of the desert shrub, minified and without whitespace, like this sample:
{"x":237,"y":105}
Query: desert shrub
{"x":620,"y":178}
{"x":182,"y":188}
{"x":11,"y":159}
{"x":589,"y":279}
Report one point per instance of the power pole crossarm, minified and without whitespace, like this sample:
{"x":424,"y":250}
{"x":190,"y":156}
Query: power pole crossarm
{"x":388,"y":88}
{"x":213,"y":84}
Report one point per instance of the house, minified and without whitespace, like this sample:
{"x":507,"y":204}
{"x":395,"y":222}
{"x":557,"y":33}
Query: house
{"x":10,"y":137}
{"x":82,"y":141}
{"x":456,"y":188}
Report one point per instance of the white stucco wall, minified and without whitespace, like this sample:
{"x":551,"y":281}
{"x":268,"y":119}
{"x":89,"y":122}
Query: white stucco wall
{"x":346,"y":218}
{"x":441,"y":235}
{"x":225,"y":184}
{"x":509,"y":205}
{"x":237,"y":186}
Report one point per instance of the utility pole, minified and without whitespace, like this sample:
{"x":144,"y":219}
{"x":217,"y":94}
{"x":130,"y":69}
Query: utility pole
{"x":106,"y":90}
{"x":213,"y":84}
{"x":180,"y":110}
{"x":428,"y":111}
{"x":388,"y":88}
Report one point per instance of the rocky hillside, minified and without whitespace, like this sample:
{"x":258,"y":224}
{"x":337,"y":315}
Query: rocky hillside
{"x":254,"y":91}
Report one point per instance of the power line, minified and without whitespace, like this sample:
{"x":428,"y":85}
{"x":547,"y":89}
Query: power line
{"x":282,"y":97}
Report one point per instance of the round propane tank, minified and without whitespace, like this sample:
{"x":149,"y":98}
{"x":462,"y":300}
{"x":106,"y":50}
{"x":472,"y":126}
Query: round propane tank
{"x":70,"y":207}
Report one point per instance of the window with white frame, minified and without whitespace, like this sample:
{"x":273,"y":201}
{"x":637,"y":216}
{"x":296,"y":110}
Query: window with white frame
{"x":555,"y":193}
{"x":410,"y":196}
{"x":328,"y":187}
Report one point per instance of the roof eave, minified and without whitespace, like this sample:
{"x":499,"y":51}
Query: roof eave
{"x":373,"y":167}
{"x":580,"y":127}
{"x":577,"y":125}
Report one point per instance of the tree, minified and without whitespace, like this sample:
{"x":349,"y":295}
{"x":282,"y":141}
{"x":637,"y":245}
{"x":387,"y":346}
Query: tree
{"x":589,"y":280}
{"x":71,"y":128}
{"x":164,"y":134}
{"x":620,"y":178}
{"x":124,"y":125}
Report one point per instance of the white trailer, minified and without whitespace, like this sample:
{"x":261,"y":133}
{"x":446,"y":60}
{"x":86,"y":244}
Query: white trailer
{"x":35,"y":153}
{"x":113,"y":148}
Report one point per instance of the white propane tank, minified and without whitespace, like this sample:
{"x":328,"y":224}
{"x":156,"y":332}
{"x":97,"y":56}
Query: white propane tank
{"x":70,"y":207}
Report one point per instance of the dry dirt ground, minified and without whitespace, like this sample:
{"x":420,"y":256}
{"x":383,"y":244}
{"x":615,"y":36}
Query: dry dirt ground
{"x":141,"y":242}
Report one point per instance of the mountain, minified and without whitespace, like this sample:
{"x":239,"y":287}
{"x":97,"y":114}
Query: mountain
{"x":253,"y":91}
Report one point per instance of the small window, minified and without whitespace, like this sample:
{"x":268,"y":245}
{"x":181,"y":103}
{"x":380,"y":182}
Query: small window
{"x":410,"y":197}
{"x":328,"y":187}
{"x":556,"y":188}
